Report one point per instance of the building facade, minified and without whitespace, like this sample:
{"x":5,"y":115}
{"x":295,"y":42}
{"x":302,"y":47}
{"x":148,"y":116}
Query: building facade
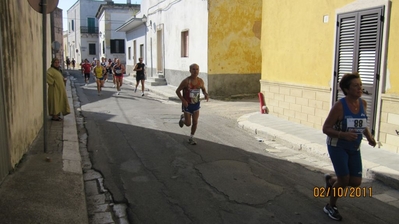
{"x":110,"y":16}
{"x":135,"y":30}
{"x":225,"y":47}
{"x":308,"y":46}
{"x":83,"y":31}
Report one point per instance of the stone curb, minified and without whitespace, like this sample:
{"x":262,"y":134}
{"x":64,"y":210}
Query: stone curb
{"x":71,"y":157}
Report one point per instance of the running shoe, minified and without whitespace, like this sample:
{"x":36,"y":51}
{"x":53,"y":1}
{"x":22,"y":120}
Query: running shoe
{"x":113,"y":86}
{"x":181,"y":122}
{"x":142,"y":94}
{"x":135,"y":89}
{"x":191,"y":141}
{"x":118,"y":93}
{"x":327,"y":178}
{"x":332,"y":212}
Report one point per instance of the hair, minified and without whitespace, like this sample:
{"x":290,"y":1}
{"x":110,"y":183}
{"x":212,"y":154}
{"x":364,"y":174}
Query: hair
{"x":53,"y":60}
{"x":192,"y":65}
{"x":345,"y":81}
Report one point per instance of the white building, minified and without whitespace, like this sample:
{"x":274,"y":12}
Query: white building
{"x":83,"y":30}
{"x":65,"y":46}
{"x":136,"y":31}
{"x":163,"y":37}
{"x":110,"y":16}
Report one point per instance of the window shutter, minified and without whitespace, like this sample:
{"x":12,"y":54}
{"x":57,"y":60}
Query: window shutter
{"x":122,"y":46}
{"x":112,"y":46}
{"x":368,"y":40}
{"x":346,"y":47}
{"x":358,"y":48}
{"x":368,"y":54}
{"x":92,"y":49}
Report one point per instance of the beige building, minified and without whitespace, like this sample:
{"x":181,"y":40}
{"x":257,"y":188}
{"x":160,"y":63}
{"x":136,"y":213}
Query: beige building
{"x":57,"y":34}
{"x":308,"y":45}
{"x":21,"y":85}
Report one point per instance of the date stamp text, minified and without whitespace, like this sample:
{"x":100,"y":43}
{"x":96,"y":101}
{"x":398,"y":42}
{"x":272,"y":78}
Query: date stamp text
{"x":340,"y":192}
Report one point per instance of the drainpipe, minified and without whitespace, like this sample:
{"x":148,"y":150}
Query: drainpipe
{"x":163,"y":51}
{"x":152,"y":66}
{"x":44,"y":20}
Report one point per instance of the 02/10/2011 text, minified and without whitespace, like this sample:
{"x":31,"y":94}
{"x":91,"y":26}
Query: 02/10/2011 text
{"x":351,"y":192}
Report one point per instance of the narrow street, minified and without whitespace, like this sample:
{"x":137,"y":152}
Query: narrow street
{"x":143,"y":155}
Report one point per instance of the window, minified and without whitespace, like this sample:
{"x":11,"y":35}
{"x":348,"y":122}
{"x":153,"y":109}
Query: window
{"x":358,"y":48}
{"x":118,"y":46}
{"x":184,"y":43}
{"x":91,"y":25}
{"x":103,"y":47}
{"x":129,"y":53}
{"x":72,"y":26}
{"x":92,"y":49}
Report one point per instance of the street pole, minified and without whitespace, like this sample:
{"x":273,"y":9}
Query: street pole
{"x":44,"y":13}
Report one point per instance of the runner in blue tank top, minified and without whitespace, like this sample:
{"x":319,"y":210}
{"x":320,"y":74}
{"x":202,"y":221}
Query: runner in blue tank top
{"x":345,"y":125}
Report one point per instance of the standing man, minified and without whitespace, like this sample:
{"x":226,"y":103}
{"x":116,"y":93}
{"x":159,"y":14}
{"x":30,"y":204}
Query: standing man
{"x":68,"y":63}
{"x":140,"y":75}
{"x":190,"y":99}
{"x":73,"y":63}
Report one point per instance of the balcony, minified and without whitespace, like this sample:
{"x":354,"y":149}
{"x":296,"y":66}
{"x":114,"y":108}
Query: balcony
{"x":89,"y":29}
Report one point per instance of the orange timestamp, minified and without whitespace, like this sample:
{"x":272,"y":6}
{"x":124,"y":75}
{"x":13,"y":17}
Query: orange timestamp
{"x":340,"y":192}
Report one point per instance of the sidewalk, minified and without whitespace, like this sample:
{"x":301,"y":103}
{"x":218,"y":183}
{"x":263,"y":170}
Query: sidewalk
{"x":48,"y":187}
{"x":378,"y":163}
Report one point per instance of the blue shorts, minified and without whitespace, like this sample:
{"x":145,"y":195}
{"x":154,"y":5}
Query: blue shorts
{"x":191,"y":108}
{"x":346,"y":161}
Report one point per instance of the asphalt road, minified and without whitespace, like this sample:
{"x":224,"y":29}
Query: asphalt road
{"x":229,"y":177}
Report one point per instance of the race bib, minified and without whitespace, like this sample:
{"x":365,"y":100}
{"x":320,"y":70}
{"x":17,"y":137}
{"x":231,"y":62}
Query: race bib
{"x":194,"y":95}
{"x":356,"y":124}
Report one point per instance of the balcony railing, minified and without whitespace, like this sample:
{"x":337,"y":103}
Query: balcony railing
{"x":89,"y":29}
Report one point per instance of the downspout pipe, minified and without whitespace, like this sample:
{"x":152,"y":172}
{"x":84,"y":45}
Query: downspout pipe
{"x":44,"y":20}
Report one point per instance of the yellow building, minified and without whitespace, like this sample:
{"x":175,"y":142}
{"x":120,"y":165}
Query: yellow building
{"x":234,"y":56}
{"x":308,"y":45}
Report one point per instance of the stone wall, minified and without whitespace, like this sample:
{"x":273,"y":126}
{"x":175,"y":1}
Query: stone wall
{"x":298,"y":103}
{"x":389,"y":123}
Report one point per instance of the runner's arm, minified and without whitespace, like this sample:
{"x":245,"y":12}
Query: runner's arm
{"x":182,"y":85}
{"x":204,"y":90}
